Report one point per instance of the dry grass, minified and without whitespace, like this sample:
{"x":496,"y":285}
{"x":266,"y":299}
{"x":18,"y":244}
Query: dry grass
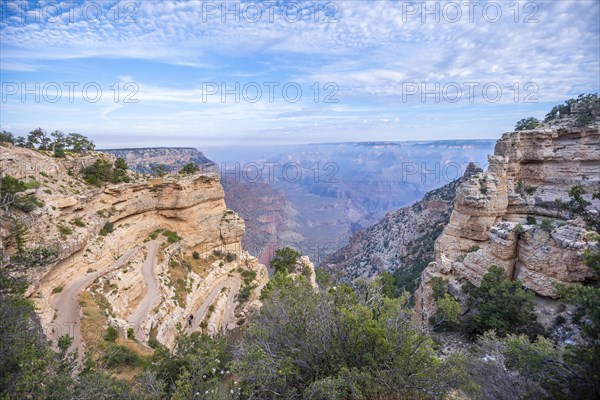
{"x":202,"y":266}
{"x":178,"y":277}
{"x":94,"y":320}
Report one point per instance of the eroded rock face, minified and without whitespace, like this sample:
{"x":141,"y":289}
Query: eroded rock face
{"x":182,"y":217}
{"x":529,"y":175}
{"x":304,"y":267}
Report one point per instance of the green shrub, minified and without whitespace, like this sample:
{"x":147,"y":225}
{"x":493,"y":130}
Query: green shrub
{"x":130,"y":333}
{"x":473,"y":249}
{"x":244,"y":294}
{"x":439,"y":286}
{"x":106,"y":229}
{"x":57,"y":289}
{"x":11,"y":194}
{"x":99,"y":173}
{"x":248,"y":276}
{"x":171,"y":236}
{"x":32,"y":185}
{"x":230,"y":257}
{"x":527,"y":123}
{"x":284,"y":260}
{"x":519,"y":229}
{"x":547,"y":224}
{"x":64,"y":230}
{"x":500,"y":304}
{"x":111,"y":334}
{"x":218,"y":253}
{"x":37,"y":257}
{"x":118,"y":355}
{"x":189,"y":169}
{"x":447,"y":313}
{"x":78,"y":222}
{"x":531,"y":220}
{"x":196,"y":255}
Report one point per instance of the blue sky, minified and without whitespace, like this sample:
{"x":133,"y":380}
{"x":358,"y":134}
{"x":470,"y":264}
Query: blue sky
{"x":372,"y":58}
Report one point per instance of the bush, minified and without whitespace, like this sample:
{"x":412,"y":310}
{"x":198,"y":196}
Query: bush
{"x":130,"y":333}
{"x":244,"y":294}
{"x":341,"y":344}
{"x":284,"y":260}
{"x":500,"y":304}
{"x":519,"y":229}
{"x":171,"y":236}
{"x":106,"y":229}
{"x":7,"y":137}
{"x":230,"y":257}
{"x":78,"y":222}
{"x":473,"y":249}
{"x":447,"y":313}
{"x":111,"y":334}
{"x":196,"y":255}
{"x":118,"y":355}
{"x":248,"y":276}
{"x":57,"y":289}
{"x":546,"y":224}
{"x":11,"y":194}
{"x":527,"y":123}
{"x":64,"y":230}
{"x":99,"y":173}
{"x":189,"y":169}
{"x":439,"y":286}
{"x":531,"y":220}
{"x":37,"y":257}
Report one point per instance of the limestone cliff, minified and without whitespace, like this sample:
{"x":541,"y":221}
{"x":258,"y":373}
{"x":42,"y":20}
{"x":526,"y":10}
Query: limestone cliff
{"x":519,"y":214}
{"x":150,"y":252}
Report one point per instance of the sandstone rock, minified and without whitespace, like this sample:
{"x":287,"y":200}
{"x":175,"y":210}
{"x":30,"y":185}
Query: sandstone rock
{"x":528,"y":173}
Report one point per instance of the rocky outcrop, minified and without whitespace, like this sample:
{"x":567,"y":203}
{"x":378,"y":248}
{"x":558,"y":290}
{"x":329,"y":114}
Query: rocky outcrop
{"x":514,"y":215}
{"x":304,"y":267}
{"x":88,"y":228}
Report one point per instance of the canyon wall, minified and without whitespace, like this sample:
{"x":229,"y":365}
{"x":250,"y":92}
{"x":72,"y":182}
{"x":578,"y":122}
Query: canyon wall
{"x":519,"y":215}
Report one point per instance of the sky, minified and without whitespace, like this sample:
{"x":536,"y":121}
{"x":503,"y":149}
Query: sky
{"x":211,"y":73}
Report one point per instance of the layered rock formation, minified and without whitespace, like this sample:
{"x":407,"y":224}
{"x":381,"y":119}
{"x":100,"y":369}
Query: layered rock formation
{"x":519,"y":214}
{"x":165,"y":243}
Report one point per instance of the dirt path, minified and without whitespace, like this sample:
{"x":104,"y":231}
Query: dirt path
{"x":66,"y":304}
{"x":234,"y":288}
{"x":152,"y":293}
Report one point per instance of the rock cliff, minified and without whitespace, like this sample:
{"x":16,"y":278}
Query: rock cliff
{"x":148,"y":253}
{"x":523,"y":215}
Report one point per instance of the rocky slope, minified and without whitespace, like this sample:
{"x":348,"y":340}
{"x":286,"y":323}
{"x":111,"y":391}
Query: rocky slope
{"x":143,"y":159}
{"x":519,"y":214}
{"x":403,"y":239}
{"x":162,"y":244}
